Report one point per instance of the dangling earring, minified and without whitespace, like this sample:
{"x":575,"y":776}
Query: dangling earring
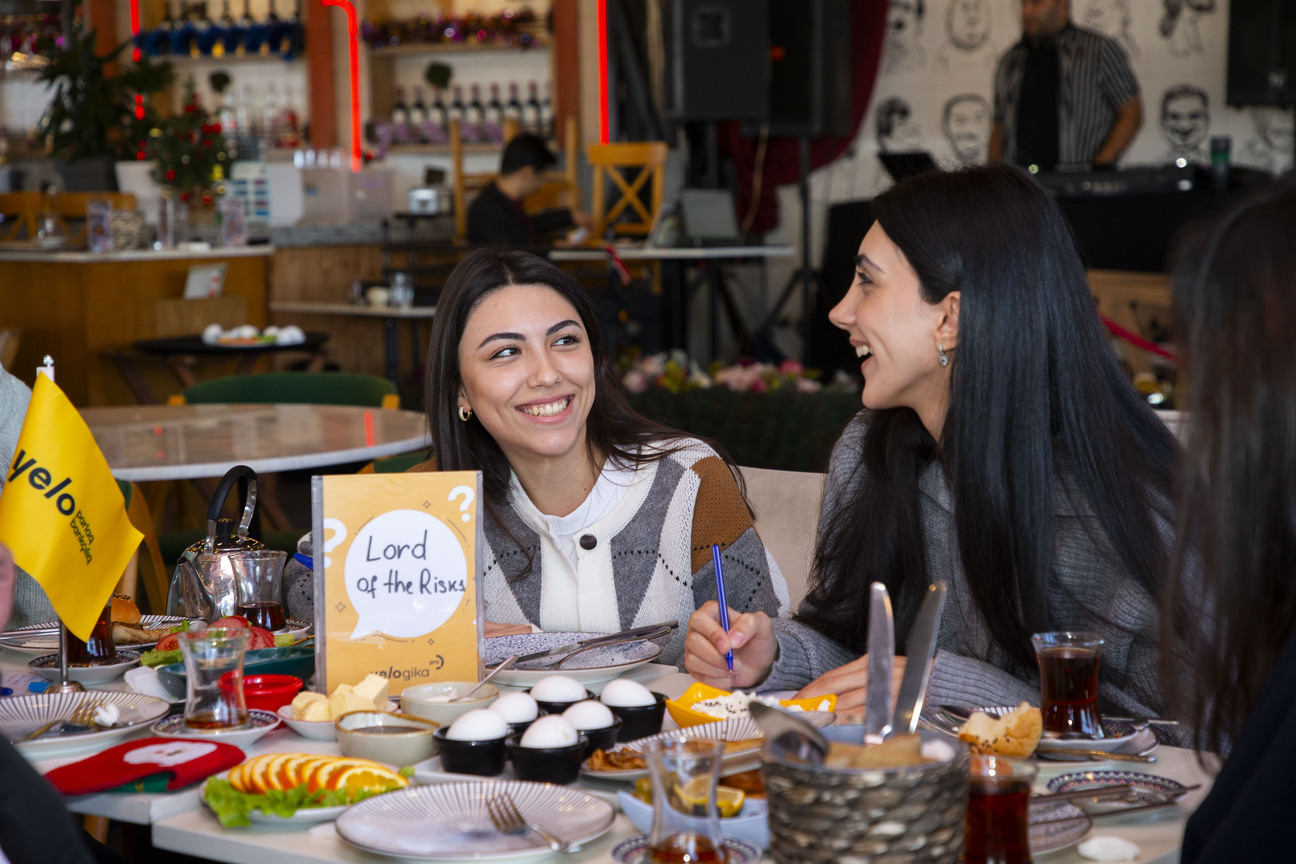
{"x":944,"y":358}
{"x":465,"y":414}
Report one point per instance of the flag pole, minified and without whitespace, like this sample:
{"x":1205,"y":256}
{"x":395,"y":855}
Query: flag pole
{"x":62,"y":685}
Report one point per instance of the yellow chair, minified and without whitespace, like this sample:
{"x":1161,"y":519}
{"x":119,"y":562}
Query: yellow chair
{"x":18,"y":214}
{"x":636,"y":172}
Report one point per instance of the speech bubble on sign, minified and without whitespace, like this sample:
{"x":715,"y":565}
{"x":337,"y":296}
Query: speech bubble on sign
{"x":405,"y":574}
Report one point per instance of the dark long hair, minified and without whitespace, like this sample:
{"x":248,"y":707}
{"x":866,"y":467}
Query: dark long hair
{"x":1235,"y":550}
{"x":1035,"y":395}
{"x":613,"y":429}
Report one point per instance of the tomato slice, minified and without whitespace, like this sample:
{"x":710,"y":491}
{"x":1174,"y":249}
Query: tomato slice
{"x":230,"y":621}
{"x":169,"y":642}
{"x":261,"y":639}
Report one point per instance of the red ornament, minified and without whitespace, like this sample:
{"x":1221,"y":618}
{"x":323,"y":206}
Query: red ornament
{"x":184,"y":196}
{"x":206,"y":198}
{"x":191,"y":108}
{"x":170,"y":175}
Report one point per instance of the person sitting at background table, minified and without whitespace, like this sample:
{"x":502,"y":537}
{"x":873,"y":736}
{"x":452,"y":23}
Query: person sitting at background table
{"x":597,"y":519}
{"x":1001,"y":450}
{"x":1235,"y":551}
{"x":498,"y":215}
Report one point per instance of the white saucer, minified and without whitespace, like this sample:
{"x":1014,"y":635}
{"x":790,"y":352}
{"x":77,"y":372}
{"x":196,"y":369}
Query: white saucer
{"x":47,"y":666}
{"x":260,"y":722}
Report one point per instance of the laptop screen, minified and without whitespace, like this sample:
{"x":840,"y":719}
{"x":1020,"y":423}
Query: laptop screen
{"x":709,"y":218}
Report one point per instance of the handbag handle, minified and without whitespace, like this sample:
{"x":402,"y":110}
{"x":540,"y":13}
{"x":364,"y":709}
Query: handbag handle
{"x":232,"y":476}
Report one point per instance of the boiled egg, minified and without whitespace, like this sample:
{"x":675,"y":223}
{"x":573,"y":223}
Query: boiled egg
{"x":624,"y":693}
{"x":558,"y":688}
{"x":550,"y":731}
{"x":515,"y":708}
{"x":212,"y":334}
{"x":478,"y":725}
{"x":290,"y":335}
{"x":590,"y":714}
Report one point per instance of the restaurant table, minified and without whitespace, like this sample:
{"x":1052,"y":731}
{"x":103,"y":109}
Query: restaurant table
{"x":181,"y":353}
{"x":181,"y":824}
{"x":182,"y":442}
{"x":709,"y":261}
{"x":391,"y":317}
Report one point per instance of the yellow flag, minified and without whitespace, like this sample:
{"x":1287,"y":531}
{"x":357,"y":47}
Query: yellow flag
{"x":62,"y":513}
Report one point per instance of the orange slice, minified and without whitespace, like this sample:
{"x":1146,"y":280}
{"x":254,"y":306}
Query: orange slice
{"x":293,"y":772}
{"x":259,"y":774}
{"x":319,"y":776}
{"x":236,"y":777}
{"x":373,"y":777}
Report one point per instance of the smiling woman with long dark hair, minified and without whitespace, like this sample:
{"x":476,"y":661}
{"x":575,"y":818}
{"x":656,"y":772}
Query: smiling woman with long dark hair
{"x":596,"y":518}
{"x":1001,"y":450}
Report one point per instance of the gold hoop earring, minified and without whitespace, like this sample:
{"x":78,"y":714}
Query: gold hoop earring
{"x":465,"y":414}
{"x":944,"y":358}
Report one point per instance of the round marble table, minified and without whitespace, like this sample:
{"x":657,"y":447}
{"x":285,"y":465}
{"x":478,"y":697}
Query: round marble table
{"x":183,"y":442}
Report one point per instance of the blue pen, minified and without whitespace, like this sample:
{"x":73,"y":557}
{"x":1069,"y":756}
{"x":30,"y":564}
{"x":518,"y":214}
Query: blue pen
{"x":720,"y":597}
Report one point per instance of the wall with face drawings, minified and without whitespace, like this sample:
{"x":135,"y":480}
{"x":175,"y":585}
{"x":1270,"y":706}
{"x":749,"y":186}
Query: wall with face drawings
{"x":935,"y":90}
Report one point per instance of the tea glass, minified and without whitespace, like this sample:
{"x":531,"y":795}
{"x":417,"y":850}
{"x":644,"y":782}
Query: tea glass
{"x":258,"y":575}
{"x":99,"y":649}
{"x":997,"y":830}
{"x":1068,"y":664}
{"x":686,"y":823}
{"x":208,"y":655}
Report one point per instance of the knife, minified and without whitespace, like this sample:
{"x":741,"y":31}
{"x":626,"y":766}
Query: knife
{"x":651,"y":631}
{"x":922,"y":647}
{"x":881,"y":660}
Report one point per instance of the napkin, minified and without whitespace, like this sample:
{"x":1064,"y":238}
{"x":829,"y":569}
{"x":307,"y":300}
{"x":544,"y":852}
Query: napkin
{"x":146,"y":765}
{"x":144,"y":679}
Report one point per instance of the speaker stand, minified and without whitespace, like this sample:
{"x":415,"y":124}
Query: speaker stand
{"x":805,"y":277}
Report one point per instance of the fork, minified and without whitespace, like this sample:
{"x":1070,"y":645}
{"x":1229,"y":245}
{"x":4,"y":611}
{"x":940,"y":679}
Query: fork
{"x":507,"y":819}
{"x":80,"y":720}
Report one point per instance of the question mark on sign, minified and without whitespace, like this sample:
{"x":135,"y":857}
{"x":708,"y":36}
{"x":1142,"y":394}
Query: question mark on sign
{"x":339,"y":529}
{"x":468,"y":497}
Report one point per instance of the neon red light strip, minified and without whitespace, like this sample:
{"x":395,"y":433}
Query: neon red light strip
{"x":353,"y":40}
{"x":603,"y":71}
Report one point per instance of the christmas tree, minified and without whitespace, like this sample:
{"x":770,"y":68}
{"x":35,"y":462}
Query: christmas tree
{"x":189,"y":152}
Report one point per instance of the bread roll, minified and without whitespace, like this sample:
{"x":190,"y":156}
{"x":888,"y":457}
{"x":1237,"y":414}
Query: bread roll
{"x":124,"y":610}
{"x":1016,"y":733}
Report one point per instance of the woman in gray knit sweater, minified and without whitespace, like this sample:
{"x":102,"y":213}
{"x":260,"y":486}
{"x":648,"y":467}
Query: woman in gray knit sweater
{"x":1001,"y":450}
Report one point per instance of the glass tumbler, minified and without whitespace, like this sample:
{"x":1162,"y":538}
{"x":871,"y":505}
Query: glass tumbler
{"x":1068,"y":664}
{"x":686,"y":823}
{"x":208,"y":655}
{"x":258,"y":575}
{"x":997,"y":830}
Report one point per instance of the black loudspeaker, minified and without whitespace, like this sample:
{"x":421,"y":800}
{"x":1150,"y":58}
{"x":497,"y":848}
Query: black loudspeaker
{"x":811,"y":79}
{"x":1262,"y":52}
{"x":720,"y":59}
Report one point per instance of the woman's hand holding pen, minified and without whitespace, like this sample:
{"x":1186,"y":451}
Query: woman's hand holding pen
{"x":750,"y":637}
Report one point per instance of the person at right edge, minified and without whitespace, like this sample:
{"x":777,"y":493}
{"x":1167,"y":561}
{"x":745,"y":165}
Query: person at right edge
{"x":1234,"y":558}
{"x":1063,"y":95}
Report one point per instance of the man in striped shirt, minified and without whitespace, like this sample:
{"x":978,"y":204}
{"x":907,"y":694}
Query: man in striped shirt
{"x":1063,"y":96}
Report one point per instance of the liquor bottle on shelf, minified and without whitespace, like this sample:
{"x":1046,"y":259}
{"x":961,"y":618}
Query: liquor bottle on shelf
{"x":247,"y":27}
{"x":418,"y":118}
{"x":546,"y":113}
{"x":532,"y":120}
{"x":207,"y":34}
{"x":459,"y":112}
{"x":270,"y":117}
{"x":273,"y":30}
{"x":289,"y":121}
{"x":224,"y":43}
{"x":158,"y":41}
{"x":184,"y":35}
{"x":228,"y":117}
{"x":475,"y":119}
{"x":400,"y":118}
{"x":495,"y":115}
{"x":247,"y":143}
{"x":438,"y":123}
{"x":296,"y":33}
{"x":513,"y":107}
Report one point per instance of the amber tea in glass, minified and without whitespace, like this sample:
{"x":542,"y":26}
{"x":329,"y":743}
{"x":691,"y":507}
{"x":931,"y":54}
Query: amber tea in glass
{"x":686,"y":823}
{"x":997,"y":829}
{"x":99,"y":649}
{"x":1068,"y":664}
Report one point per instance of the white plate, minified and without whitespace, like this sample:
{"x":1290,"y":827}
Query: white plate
{"x":47,"y":643}
{"x":429,"y":772}
{"x":595,"y":666}
{"x":303,"y":816}
{"x":635,"y":851}
{"x":20,"y":715}
{"x":47,"y":666}
{"x":1124,"y":737}
{"x":450,"y":822}
{"x":261,"y":723}
{"x":1049,"y":837}
{"x":316,"y":730}
{"x":738,"y":729}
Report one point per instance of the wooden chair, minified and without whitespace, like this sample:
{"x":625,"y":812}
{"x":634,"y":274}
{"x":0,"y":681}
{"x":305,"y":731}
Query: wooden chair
{"x":1122,"y":296}
{"x":18,"y":214}
{"x":636,"y":171}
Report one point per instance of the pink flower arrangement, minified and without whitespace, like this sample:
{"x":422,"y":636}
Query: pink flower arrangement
{"x":676,"y":373}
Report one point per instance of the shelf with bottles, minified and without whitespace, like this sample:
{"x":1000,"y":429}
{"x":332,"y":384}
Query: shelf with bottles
{"x":508,"y":31}
{"x":194,"y":35}
{"x":421,"y":127}
{"x":419,"y":48}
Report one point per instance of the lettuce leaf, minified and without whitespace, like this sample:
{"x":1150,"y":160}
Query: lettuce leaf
{"x":232,"y":806}
{"x":161,"y":658}
{"x":283,"y":640}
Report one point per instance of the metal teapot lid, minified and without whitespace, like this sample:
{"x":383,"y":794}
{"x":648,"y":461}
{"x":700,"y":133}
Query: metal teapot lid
{"x":224,"y":534}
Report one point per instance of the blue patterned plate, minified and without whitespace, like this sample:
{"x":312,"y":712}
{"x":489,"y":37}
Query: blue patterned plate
{"x":590,"y":667}
{"x":1163,"y":788}
{"x":635,"y":851}
{"x":1056,"y":825}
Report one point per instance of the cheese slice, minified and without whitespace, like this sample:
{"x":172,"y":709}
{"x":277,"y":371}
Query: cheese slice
{"x":337,"y":700}
{"x":305,"y":699}
{"x":315,"y":710}
{"x":374,"y":689}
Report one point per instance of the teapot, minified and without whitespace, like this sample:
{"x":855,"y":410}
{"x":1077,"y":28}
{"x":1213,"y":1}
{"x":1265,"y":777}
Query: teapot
{"x":203,"y":584}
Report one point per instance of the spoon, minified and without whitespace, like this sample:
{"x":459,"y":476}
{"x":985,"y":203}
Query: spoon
{"x":504,"y":664}
{"x":794,"y":737}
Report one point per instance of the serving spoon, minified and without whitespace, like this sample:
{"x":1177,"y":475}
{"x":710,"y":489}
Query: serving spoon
{"x":504,"y":664}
